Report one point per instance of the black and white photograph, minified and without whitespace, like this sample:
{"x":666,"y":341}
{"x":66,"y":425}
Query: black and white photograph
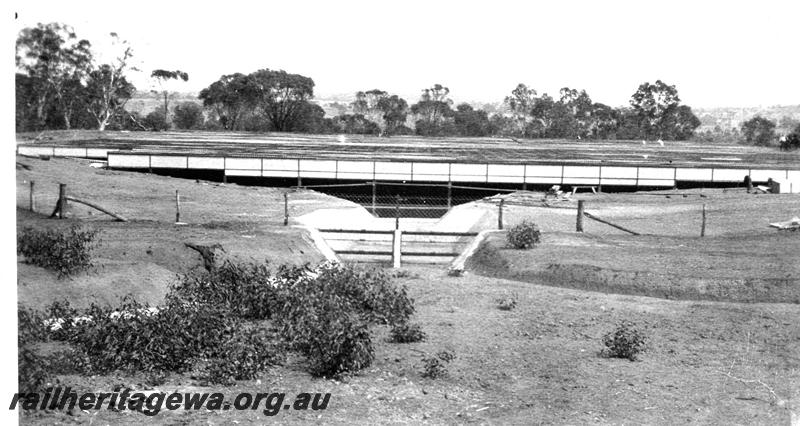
{"x":423,"y":212}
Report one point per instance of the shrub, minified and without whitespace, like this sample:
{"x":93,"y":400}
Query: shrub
{"x":329,"y":331}
{"x":69,"y":361}
{"x":435,"y":367}
{"x":32,"y":370}
{"x":136,"y":337}
{"x":370,"y":293}
{"x":523,"y":235}
{"x":625,"y":341}
{"x":406,"y":333}
{"x":30,"y":327}
{"x":245,"y":290}
{"x":61,"y":320}
{"x":507,"y":303}
{"x":326,"y":313}
{"x":65,"y":252}
{"x":242,"y":357}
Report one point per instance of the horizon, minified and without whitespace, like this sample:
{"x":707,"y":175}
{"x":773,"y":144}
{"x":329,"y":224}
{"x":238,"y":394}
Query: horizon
{"x":358,"y":46}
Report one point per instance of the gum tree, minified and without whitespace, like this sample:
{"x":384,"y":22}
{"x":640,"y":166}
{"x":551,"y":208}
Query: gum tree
{"x":56,"y":63}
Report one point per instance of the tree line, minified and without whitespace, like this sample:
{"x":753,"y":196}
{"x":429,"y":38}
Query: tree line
{"x":59,"y":86}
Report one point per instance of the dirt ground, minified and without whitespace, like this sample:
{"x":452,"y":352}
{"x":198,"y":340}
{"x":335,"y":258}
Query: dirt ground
{"x":707,"y":362}
{"x":537,"y":364}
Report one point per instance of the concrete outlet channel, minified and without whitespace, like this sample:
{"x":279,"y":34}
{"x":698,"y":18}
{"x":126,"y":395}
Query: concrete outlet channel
{"x":355,"y":235}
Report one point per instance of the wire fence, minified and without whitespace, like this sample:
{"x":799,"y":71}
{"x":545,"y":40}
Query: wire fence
{"x":405,"y":206}
{"x":407,"y":200}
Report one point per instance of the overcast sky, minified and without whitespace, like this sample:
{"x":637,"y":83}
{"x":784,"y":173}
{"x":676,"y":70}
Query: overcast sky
{"x":716,"y":53}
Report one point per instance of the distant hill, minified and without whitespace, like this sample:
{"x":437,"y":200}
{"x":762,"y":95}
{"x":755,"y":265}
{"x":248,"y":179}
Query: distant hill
{"x":145,"y":102}
{"x":785,"y":116}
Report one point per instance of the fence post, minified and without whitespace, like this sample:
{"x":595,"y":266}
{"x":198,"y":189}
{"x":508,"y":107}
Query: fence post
{"x":397,"y":212}
{"x":396,"y":242}
{"x":500,"y":214}
{"x":299,"y":180}
{"x":374,"y":195}
{"x":177,"y":207}
{"x":449,"y":194}
{"x":62,"y":200}
{"x":286,"y":208}
{"x":32,"y":199}
{"x":703,"y":225}
{"x":579,"y":219}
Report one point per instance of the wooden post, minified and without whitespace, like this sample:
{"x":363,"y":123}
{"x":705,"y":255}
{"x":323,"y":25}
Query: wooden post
{"x":62,"y":200}
{"x":32,"y":198}
{"x":524,"y":186}
{"x":500,"y":214}
{"x":579,"y":220}
{"x":224,"y":177}
{"x":374,"y":195}
{"x":299,"y":180}
{"x":177,"y":207}
{"x":703,"y":226}
{"x":396,"y":242}
{"x":397,"y":212}
{"x":285,"y":208}
{"x":449,"y":194}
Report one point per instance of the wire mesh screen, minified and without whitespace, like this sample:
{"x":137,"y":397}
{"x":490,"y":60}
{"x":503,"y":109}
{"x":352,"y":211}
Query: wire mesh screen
{"x":405,"y":206}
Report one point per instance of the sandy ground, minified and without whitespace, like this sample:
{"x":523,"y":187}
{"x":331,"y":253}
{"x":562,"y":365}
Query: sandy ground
{"x":537,"y":364}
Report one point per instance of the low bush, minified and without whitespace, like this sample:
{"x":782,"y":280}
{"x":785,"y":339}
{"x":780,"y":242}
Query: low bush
{"x":32,"y":370}
{"x":626,"y":341}
{"x":245,"y":290}
{"x":524,"y":235}
{"x":370,"y":293}
{"x":61,"y":320}
{"x":507,"y":303}
{"x":435,"y":367}
{"x":134,"y":336}
{"x":326,"y":314}
{"x":329,"y":331}
{"x":66,"y":252}
{"x":339,"y":343}
{"x":406,"y":333}
{"x":243,"y":356}
{"x":30,"y":327}
{"x":69,"y":361}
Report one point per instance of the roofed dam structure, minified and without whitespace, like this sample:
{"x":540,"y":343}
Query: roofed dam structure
{"x":416,"y":159}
